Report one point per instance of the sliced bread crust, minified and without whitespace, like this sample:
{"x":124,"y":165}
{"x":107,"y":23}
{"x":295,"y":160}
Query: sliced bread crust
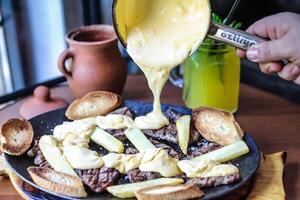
{"x":169,"y":192}
{"x":217,"y":125}
{"x":57,"y":182}
{"x":93,"y":104}
{"x":16,"y":136}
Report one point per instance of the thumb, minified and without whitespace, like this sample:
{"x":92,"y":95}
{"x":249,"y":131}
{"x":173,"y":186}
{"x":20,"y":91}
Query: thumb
{"x":267,"y":52}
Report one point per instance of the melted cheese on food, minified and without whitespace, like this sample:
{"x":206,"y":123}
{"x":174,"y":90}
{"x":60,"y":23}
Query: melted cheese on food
{"x":160,"y":34}
{"x":114,"y":121}
{"x":62,"y":131}
{"x":122,"y":162}
{"x":82,"y":158}
{"x":151,"y":160}
{"x":206,"y":168}
{"x":159,"y":161}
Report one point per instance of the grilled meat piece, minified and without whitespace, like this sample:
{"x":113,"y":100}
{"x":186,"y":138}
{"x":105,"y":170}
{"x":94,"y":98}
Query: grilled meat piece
{"x":169,"y":149}
{"x":214,"y":181}
{"x":34,"y":150}
{"x":131,"y":150}
{"x":157,"y":144}
{"x":172,"y":115}
{"x":194,"y":135}
{"x":97,"y":180}
{"x":117,"y":133}
{"x":41,"y":161}
{"x":135,"y":175}
{"x":202,"y":147}
{"x":167,"y":133}
{"x":123,"y":111}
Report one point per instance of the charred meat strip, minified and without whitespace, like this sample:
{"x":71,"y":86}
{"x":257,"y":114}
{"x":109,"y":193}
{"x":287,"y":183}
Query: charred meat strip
{"x":172,"y":115}
{"x":97,"y":180}
{"x":167,"y":133}
{"x":135,"y":175}
{"x":117,"y":133}
{"x":41,"y":161}
{"x":214,"y":181}
{"x":35,"y":149}
{"x":173,"y":153}
{"x":169,"y":149}
{"x":194,"y":135}
{"x":39,"y":158}
{"x":123,"y":111}
{"x":131,"y":150}
{"x":202,"y":147}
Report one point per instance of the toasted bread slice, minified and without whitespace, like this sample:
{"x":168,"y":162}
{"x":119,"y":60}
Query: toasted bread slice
{"x":169,"y":192}
{"x":57,"y":182}
{"x":93,"y":104}
{"x":217,"y":126}
{"x":16,"y":136}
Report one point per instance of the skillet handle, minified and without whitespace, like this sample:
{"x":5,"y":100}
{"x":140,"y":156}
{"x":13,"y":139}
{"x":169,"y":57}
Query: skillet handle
{"x":233,"y":37}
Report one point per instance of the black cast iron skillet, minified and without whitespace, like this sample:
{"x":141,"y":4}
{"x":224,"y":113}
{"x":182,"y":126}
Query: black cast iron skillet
{"x":44,"y":124}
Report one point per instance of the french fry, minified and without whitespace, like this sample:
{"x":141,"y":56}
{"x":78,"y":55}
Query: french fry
{"x":128,"y":190}
{"x":226,"y":153}
{"x":183,"y":131}
{"x":108,"y":141}
{"x":138,"y":139}
{"x":54,"y":155}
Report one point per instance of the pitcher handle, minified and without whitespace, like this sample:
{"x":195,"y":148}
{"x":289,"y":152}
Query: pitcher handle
{"x":237,"y":38}
{"x":175,"y":77}
{"x":65,"y":55}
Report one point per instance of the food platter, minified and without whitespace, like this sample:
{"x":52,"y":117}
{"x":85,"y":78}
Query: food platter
{"x":44,"y":124}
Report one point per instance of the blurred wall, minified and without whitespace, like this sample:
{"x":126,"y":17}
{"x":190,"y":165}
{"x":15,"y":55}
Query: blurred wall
{"x":46,"y":33}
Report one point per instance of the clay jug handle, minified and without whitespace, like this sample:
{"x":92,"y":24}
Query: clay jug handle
{"x":65,"y":55}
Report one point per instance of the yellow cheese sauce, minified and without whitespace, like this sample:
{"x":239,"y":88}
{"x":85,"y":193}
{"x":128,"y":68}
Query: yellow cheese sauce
{"x":160,"y":34}
{"x":151,"y":160}
{"x":114,"y":121}
{"x":206,"y":168}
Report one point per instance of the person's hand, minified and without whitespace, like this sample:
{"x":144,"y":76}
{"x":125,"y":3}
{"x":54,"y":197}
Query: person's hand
{"x":283,"y":31}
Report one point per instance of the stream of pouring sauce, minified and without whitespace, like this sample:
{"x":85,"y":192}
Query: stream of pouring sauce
{"x":160,"y":36}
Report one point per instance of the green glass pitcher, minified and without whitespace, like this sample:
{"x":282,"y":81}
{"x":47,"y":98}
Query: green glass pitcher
{"x":211,"y":77}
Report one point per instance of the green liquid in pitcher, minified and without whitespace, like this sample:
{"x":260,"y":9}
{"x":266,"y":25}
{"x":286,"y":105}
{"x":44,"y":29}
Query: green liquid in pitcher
{"x":212,"y":78}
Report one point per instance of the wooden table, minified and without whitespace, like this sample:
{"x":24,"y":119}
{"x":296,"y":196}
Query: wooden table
{"x":272,"y":121}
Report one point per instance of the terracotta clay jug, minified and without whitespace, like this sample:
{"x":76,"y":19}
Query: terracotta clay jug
{"x":96,"y":63}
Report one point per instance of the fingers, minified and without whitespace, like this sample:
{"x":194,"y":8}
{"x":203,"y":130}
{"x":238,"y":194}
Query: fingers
{"x":272,"y":27}
{"x":290,"y":72}
{"x":297,"y":81}
{"x":240,"y":53}
{"x":267,"y":51}
{"x":271,"y":68}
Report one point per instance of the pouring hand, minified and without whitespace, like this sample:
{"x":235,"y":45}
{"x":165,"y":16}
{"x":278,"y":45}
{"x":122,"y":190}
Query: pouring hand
{"x":283,"y":30}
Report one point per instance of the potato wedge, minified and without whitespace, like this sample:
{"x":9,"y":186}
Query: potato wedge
{"x":138,"y":139}
{"x":183,"y":131}
{"x":108,"y":141}
{"x":169,"y":192}
{"x":225,"y":153}
{"x":128,"y":190}
{"x":54,"y":156}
